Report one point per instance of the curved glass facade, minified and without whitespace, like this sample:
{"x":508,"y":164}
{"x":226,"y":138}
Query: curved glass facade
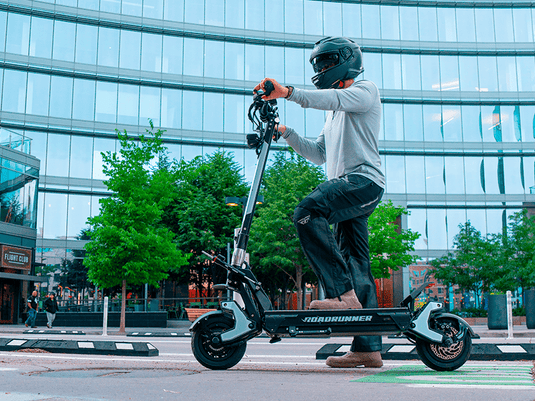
{"x":457,"y":82}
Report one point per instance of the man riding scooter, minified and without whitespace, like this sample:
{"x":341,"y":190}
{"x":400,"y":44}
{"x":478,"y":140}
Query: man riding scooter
{"x":348,"y":144}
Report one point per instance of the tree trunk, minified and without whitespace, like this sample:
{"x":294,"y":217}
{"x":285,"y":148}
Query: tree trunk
{"x":298,"y":281}
{"x":122,"y":323}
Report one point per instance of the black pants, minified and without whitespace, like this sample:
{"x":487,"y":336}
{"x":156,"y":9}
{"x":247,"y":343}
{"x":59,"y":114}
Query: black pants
{"x":340,"y":257}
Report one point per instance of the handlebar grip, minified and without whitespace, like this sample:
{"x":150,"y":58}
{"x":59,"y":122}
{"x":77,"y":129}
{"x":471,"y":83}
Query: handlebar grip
{"x":268,"y":88}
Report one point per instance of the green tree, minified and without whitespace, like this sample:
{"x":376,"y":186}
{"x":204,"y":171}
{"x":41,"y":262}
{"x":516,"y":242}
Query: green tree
{"x":473,"y":264}
{"x":129,"y":244}
{"x":390,"y":245}
{"x":198,"y":213}
{"x":274,"y":244}
{"x":519,"y":252}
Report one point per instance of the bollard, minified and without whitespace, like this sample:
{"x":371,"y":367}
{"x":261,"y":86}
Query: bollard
{"x":509,"y":316}
{"x":105,"y":317}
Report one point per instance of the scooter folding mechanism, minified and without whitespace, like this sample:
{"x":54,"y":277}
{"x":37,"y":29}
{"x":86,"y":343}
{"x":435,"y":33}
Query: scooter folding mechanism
{"x":219,"y":338}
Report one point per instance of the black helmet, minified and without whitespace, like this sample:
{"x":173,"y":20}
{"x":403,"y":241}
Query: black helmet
{"x":335,"y":60}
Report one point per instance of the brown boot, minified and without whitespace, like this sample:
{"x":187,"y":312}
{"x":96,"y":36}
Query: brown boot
{"x":354,"y":359}
{"x":347,"y":300}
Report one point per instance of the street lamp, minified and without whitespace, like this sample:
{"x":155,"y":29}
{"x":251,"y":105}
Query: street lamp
{"x":236,"y":201}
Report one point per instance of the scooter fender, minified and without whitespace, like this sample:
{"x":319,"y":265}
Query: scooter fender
{"x":462,"y":323}
{"x":198,"y":321}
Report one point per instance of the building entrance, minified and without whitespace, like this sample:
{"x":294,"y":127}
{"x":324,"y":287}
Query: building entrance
{"x":8,"y":302}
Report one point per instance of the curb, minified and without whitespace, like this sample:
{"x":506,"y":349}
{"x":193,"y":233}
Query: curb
{"x":480,"y":352}
{"x":48,"y":331}
{"x":80,"y":347}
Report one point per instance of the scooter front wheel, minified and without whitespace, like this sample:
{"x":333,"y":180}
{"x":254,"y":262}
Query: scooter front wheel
{"x":207,"y":349}
{"x":446,"y":357}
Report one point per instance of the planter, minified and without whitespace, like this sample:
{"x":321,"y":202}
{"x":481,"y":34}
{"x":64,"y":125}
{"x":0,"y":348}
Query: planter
{"x":497,"y":312}
{"x":529,"y":298}
{"x":194,"y":313}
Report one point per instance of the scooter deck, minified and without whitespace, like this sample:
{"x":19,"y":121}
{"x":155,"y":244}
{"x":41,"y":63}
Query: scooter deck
{"x":334,"y":322}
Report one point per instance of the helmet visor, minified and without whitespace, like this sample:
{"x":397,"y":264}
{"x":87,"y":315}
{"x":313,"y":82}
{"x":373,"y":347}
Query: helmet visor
{"x":325,"y":61}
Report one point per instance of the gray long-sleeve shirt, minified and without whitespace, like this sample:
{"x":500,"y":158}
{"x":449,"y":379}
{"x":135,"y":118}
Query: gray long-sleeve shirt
{"x":348,"y":142}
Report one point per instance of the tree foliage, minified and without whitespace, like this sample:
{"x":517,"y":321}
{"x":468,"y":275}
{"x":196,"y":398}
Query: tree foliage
{"x":198,"y":213}
{"x":390,"y":245}
{"x":129,"y":244}
{"x":274,"y":244}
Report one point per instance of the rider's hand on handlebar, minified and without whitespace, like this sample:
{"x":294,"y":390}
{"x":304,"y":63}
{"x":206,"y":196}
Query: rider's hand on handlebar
{"x":278,"y":91}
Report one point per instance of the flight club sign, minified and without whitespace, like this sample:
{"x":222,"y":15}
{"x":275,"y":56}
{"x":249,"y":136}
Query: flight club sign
{"x":16,"y":258}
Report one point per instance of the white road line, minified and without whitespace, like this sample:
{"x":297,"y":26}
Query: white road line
{"x":472,"y":386}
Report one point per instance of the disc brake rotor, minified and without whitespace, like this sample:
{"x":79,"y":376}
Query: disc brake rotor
{"x":451,"y":352}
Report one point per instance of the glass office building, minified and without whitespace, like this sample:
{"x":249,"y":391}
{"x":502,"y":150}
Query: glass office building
{"x":457,"y":82}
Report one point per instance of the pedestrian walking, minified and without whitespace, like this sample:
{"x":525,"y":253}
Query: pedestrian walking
{"x":51,"y":307}
{"x":32,"y":310}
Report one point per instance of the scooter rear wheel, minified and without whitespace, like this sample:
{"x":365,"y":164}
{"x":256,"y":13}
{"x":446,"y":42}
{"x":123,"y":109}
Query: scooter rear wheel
{"x":445,"y":358}
{"x":207,"y":350}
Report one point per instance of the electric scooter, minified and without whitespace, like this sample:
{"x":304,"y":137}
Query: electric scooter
{"x":219,"y":338}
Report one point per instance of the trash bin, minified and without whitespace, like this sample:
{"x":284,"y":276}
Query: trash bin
{"x":497,"y":312}
{"x":529,"y":299}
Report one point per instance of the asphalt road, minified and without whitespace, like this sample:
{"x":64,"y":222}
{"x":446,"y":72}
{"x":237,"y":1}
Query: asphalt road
{"x":284,"y":371}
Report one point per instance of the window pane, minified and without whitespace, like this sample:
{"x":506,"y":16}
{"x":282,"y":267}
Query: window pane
{"x":174,"y":10}
{"x":215,"y":13}
{"x":153,"y":9}
{"x":412,"y":122}
{"x":81,"y":157}
{"x":504,"y":33}
{"x":110,"y":6}
{"x":526,"y":73}
{"x":527,"y":123}
{"x":454,"y":219}
{"x":193,"y":52}
{"x":507,"y":74}
{"x":447,"y":31}
{"x":411,"y":78}
{"x":89,"y":4}
{"x":393,"y":122}
{"x":395,"y":174}
{"x":470,"y":123}
{"x":192,"y":110}
{"x":373,"y":68}
{"x":78,"y":212}
{"x":454,"y":175}
{"x":275,"y":9}
{"x":490,"y":165}
{"x":434,"y":175}
{"x":38,"y":92}
{"x":466,"y":30}
{"x":18,"y":34}
{"x":415,"y":175}
{"x":14,"y":94}
{"x":451,"y":123}
{"x":234,"y":53}
{"x":172,"y":55}
{"x":513,"y":175}
{"x":101,"y":145}
{"x":389,"y":22}
{"x":522,"y":25}
{"x":55,"y":207}
{"x":149,"y":106}
{"x":213,"y":59}
{"x":430,"y":73}
{"x":333,"y":19}
{"x":487,"y":74}
{"x":86,"y":44}
{"x":510,"y":123}
{"x":3,"y":23}
{"x":484,"y":25}
{"x":171,"y":108}
{"x":254,"y":15}
{"x":468,"y":73}
{"x":275,"y":70}
{"x":427,"y":17}
{"x":234,"y":118}
{"x":293,"y":12}
{"x":432,"y":123}
{"x":132,"y":7}
{"x":234,"y":13}
{"x":130,"y":50}
{"x":371,"y":22}
{"x":416,"y":221}
{"x":490,"y":124}
{"x":449,"y":73}
{"x":436,"y":219}
{"x":294,"y":68}
{"x":313,"y":18}
{"x":473,"y":167}
{"x":151,"y":55}
{"x":84,"y":100}
{"x":391,"y":71}
{"x":351,"y":20}
{"x":254,"y":63}
{"x":64,"y":34}
{"x":41,"y":37}
{"x":108,"y":47}
{"x":57,"y":163}
{"x":128,"y":104}
{"x":409,"y":23}
{"x":213,"y":112}
{"x":106,"y":104}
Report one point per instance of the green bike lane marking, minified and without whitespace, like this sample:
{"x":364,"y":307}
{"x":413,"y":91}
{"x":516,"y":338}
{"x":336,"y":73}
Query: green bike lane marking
{"x":501,"y":376}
